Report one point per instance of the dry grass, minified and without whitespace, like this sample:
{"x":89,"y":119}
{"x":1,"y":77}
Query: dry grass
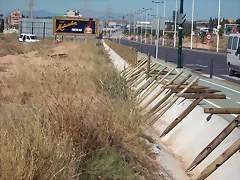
{"x":10,"y":46}
{"x":61,"y":116}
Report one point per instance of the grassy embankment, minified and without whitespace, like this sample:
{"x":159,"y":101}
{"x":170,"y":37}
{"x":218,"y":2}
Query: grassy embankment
{"x":68,"y":118}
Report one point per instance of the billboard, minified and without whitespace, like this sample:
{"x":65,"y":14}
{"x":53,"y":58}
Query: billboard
{"x":161,"y":22}
{"x":75,"y":26}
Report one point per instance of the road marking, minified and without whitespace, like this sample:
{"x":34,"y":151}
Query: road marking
{"x":214,"y":77}
{"x":201,"y":65}
{"x":233,"y":90}
{"x":213,"y":104}
{"x":231,"y":77}
{"x":238,"y":102}
{"x":228,"y":97}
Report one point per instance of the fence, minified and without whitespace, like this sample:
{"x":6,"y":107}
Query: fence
{"x":128,"y":53}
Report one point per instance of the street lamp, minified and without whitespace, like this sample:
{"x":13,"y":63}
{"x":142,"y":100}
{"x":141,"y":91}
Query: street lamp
{"x":157,"y":2}
{"x":175,"y":24}
{"x":151,"y":29}
{"x":192,"y":24}
{"x":146,"y":24}
{"x":218,"y":26}
{"x":141,"y":25}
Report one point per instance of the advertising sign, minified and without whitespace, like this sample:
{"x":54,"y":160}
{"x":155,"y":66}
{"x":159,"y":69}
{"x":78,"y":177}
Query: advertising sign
{"x":160,"y":21}
{"x":71,"y":26}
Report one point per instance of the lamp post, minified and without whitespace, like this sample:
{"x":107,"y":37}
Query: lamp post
{"x":151,"y":29}
{"x":192,"y":24}
{"x":146,"y":24}
{"x":218,"y":26}
{"x":157,"y":2}
{"x":141,"y":26}
{"x":175,"y":24}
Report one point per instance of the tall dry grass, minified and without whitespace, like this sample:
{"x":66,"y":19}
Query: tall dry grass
{"x":58,"y":117}
{"x":10,"y":45}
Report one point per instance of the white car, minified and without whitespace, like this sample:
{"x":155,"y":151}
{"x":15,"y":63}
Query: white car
{"x":28,"y":38}
{"x":233,"y":54}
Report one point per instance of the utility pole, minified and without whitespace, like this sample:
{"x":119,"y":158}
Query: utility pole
{"x":181,"y":20}
{"x":218,"y":26}
{"x":192,"y":24}
{"x":175,"y":24}
{"x":86,"y":7}
{"x":31,"y":9}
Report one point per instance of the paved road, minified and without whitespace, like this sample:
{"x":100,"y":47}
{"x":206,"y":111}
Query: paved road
{"x":232,"y":91}
{"x":197,"y":60}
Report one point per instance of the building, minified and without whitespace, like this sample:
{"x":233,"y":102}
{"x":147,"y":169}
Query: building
{"x":14,"y":17}
{"x":72,"y":13}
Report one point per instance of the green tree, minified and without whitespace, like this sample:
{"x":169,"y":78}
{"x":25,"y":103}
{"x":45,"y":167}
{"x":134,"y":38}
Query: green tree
{"x":238,"y":29}
{"x":238,"y":21}
{"x":1,"y":25}
{"x":221,"y":32}
{"x":187,"y":29}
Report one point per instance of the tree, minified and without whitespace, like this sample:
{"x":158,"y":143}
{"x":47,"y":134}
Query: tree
{"x":1,"y":25}
{"x":221,"y":32}
{"x":211,"y":23}
{"x":187,"y":29}
{"x":238,"y":21}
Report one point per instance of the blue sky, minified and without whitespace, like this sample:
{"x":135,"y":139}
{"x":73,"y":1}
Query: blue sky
{"x":204,"y":8}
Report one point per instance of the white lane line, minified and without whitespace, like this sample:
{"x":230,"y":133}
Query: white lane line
{"x":233,"y":90}
{"x":231,"y":77}
{"x":228,"y":97}
{"x":238,"y":102}
{"x":213,"y":104}
{"x":214,"y":77}
{"x":201,"y":65}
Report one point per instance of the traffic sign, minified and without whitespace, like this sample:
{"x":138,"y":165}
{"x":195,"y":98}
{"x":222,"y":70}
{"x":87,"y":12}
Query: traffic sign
{"x":208,"y":36}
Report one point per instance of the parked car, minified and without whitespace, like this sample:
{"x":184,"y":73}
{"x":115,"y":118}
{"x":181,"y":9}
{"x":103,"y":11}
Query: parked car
{"x":233,"y":54}
{"x":28,"y":38}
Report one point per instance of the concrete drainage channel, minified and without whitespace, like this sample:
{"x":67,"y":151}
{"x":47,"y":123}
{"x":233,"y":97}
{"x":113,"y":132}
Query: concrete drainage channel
{"x":192,"y":142}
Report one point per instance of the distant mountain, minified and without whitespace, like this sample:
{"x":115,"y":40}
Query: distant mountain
{"x":90,"y":13}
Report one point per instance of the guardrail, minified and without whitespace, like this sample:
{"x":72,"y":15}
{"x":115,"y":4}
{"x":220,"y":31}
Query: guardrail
{"x":128,"y":53}
{"x":157,"y":96}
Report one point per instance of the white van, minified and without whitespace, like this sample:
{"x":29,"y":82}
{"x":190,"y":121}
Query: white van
{"x":28,"y":38}
{"x":233,"y":54}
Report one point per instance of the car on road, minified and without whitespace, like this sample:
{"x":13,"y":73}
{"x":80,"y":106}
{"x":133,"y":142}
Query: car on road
{"x":233,"y":54}
{"x":28,"y":38}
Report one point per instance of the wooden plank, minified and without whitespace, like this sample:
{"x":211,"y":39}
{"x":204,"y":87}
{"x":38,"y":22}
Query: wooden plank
{"x":164,"y":107}
{"x":214,"y":143}
{"x":158,"y":105}
{"x":148,"y":66}
{"x":184,"y":86}
{"x":195,"y":90}
{"x":159,"y":92}
{"x":152,"y":87}
{"x":219,"y":161}
{"x":204,"y":95}
{"x":182,"y":116}
{"x":222,"y":110}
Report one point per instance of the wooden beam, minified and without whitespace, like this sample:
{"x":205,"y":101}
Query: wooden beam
{"x":195,"y":90}
{"x":159,"y":92}
{"x":204,"y":95}
{"x":222,"y":110}
{"x":214,"y":143}
{"x":148,"y":66}
{"x":182,"y":116}
{"x":219,"y":161}
{"x":164,"y":107}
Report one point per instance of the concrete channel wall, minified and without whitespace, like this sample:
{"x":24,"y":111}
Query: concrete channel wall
{"x":193,"y":134}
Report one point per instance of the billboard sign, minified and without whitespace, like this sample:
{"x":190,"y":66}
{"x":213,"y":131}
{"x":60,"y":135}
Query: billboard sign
{"x":161,"y":23}
{"x":75,"y":26}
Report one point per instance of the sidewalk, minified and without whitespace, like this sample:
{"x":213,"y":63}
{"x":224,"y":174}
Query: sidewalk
{"x":231,"y":90}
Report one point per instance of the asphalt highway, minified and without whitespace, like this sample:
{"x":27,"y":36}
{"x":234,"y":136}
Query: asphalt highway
{"x":199,"y":61}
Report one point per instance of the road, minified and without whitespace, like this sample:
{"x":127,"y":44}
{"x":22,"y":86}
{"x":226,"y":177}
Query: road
{"x":232,"y":91}
{"x":197,"y":60}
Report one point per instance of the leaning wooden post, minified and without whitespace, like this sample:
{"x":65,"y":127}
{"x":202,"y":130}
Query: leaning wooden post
{"x":167,"y":105}
{"x":219,"y":161}
{"x":182,"y":116}
{"x":148,"y":67}
{"x":214,"y":143}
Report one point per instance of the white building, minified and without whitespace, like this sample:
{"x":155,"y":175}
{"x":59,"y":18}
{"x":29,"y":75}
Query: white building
{"x":72,"y":13}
